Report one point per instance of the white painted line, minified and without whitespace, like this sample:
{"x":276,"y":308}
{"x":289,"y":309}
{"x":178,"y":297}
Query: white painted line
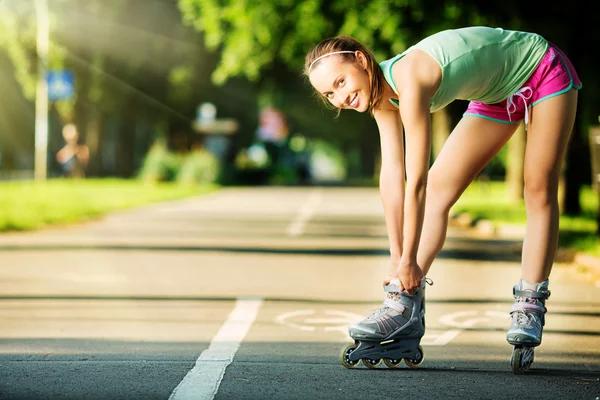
{"x":441,"y":339}
{"x":202,"y":381}
{"x":296,"y":227}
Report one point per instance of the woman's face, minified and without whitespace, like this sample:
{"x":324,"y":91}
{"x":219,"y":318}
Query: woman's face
{"x":345,"y":84}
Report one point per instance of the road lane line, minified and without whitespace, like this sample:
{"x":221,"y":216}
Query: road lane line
{"x":296,"y":227}
{"x":202,"y":381}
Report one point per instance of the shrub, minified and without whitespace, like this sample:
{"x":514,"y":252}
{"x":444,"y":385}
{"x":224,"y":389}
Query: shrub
{"x":327,"y":162}
{"x":199,"y":166}
{"x":159,"y":165}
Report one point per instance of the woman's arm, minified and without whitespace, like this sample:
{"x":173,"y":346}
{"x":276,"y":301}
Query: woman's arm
{"x":414,"y":108}
{"x":417,"y":79}
{"x":391,"y":178}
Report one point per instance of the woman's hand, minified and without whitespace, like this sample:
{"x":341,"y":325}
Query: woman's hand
{"x":410,"y":276}
{"x":392,"y":272}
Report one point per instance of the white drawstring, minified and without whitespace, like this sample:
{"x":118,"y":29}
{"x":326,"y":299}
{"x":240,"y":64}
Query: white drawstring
{"x":511,"y":107}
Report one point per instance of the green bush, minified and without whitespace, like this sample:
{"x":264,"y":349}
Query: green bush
{"x":281,"y":174}
{"x":160,"y":165}
{"x":199,"y":166}
{"x":327,"y":162}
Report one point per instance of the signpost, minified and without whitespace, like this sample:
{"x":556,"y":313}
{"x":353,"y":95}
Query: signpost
{"x":51,"y":85}
{"x":61,"y":85}
{"x":41,"y":94}
{"x":216,"y":131}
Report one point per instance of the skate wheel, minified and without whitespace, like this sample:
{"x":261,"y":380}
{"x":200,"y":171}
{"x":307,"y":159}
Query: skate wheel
{"x":521,"y":359}
{"x":391,"y":363}
{"x":415,"y":362}
{"x":371,"y":363}
{"x":515,"y":360}
{"x":346,"y":351}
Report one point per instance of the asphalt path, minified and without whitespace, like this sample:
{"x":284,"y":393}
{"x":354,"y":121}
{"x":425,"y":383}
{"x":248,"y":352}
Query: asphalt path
{"x":247,"y":293}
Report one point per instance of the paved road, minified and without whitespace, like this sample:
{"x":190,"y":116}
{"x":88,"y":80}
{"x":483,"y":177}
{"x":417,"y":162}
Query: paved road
{"x":248,"y":293}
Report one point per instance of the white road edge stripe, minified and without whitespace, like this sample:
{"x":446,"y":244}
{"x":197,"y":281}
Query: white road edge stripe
{"x":296,"y":228}
{"x":202,"y":381}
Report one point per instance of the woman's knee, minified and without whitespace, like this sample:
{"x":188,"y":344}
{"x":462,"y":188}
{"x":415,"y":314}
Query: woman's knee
{"x":440,"y":195}
{"x":540,"y":191}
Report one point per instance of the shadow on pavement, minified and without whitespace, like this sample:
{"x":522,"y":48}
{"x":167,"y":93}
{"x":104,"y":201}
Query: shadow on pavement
{"x":472,"y":255}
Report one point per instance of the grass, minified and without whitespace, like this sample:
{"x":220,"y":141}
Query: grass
{"x":491,"y":201}
{"x":27,"y":205}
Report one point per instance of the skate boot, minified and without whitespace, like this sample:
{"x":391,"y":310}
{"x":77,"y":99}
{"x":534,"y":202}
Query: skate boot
{"x":527,"y":315}
{"x":391,"y":333}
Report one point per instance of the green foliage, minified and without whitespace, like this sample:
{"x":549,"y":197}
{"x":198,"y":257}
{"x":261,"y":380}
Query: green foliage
{"x":160,"y":164}
{"x":199,"y":166}
{"x":18,"y":39}
{"x":281,"y":174}
{"x":253,"y":34}
{"x":327,"y":161}
{"x":490,"y":201}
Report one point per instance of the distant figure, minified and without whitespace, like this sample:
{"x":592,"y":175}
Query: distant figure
{"x":73,"y":157}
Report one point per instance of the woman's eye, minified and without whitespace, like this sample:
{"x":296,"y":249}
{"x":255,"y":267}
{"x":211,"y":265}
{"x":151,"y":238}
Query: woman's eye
{"x":341,"y":82}
{"x":329,"y":95}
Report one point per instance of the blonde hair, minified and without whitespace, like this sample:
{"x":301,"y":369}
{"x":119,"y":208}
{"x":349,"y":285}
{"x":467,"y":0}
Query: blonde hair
{"x":346,"y":46}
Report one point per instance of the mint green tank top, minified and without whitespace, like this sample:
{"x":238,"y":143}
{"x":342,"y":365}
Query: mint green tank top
{"x":478,"y":63}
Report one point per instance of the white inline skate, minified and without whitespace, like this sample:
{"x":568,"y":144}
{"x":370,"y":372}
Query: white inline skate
{"x":392,"y":333}
{"x":525,"y":332}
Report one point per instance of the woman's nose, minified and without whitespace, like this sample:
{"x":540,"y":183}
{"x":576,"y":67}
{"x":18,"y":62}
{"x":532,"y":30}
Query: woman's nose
{"x":340,"y":98}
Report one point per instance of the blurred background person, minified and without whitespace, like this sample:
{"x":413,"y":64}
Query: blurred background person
{"x":73,"y":157}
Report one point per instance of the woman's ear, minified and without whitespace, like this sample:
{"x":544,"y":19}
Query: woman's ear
{"x":362,"y":59}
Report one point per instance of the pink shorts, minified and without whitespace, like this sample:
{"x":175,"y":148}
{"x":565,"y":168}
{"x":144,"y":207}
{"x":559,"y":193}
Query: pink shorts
{"x":555,"y":75}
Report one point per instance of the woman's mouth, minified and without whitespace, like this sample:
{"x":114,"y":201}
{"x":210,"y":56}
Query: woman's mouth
{"x":354,"y":102}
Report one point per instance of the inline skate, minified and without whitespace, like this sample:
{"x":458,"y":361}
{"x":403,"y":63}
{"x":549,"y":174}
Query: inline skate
{"x":527,"y":314}
{"x":392,"y":333}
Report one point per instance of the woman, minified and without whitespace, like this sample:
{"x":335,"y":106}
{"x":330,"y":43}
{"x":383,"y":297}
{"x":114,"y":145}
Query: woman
{"x":508,"y":76}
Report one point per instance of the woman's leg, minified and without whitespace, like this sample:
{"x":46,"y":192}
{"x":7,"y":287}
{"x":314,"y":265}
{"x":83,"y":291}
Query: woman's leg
{"x":548,"y":134}
{"x":472,"y":144}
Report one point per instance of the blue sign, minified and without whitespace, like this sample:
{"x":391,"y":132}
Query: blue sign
{"x":61,"y":85}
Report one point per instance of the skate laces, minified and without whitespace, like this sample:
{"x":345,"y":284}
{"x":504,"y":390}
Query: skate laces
{"x":523,"y":318}
{"x":525,"y":314}
{"x":387,"y":304}
{"x":392,"y":301}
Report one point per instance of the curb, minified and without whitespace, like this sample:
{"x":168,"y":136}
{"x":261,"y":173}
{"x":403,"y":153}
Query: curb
{"x":587,"y":264}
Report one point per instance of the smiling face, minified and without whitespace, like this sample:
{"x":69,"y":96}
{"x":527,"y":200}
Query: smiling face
{"x":342,"y":82}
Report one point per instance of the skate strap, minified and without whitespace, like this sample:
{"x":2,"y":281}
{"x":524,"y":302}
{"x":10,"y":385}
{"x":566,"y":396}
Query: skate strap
{"x":526,"y":306}
{"x":391,"y":288}
{"x":394,"y":305}
{"x":396,"y":288}
{"x":531,"y":294}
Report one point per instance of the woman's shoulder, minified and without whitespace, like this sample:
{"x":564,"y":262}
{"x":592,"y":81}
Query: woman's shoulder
{"x":417,"y":67}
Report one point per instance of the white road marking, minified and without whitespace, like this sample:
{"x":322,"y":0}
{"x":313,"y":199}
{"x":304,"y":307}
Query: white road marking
{"x":453,"y":319}
{"x":339,"y":320}
{"x":296,"y":227}
{"x":440,"y":339}
{"x":202,"y":381}
{"x":308,"y":320}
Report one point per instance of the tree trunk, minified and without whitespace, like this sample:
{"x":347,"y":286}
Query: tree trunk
{"x":93,"y":141}
{"x":515,"y":163}
{"x":573,"y":174}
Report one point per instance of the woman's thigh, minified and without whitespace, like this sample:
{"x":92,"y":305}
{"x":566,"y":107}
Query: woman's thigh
{"x":472,"y":144}
{"x":548,"y":135}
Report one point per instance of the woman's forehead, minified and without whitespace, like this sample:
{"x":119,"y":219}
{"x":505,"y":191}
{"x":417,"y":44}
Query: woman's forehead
{"x":327,"y":69}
